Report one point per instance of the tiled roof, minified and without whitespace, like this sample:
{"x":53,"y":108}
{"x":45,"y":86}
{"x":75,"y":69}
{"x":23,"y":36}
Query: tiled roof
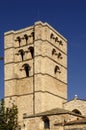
{"x":56,"y":111}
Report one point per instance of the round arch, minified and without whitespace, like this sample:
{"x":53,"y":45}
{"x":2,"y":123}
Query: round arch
{"x":76,"y":111}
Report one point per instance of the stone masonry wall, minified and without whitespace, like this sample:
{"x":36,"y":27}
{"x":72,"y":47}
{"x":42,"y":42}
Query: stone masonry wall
{"x":36,"y":81}
{"x":77,"y":104}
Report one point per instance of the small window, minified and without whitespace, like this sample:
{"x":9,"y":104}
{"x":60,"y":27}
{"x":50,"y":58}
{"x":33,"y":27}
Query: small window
{"x":27,"y":69}
{"x":32,"y":34}
{"x":56,"y":39}
{"x":19,"y":40}
{"x":60,"y":43}
{"x":31,"y":49}
{"x":76,"y":111}
{"x":60,"y":55}
{"x":53,"y":51}
{"x":46,"y":122}
{"x":26,"y":37}
{"x":57,"y":69}
{"x":51,"y":36}
{"x":21,"y":52}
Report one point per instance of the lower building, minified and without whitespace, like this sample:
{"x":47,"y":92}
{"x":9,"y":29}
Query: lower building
{"x":68,"y":118}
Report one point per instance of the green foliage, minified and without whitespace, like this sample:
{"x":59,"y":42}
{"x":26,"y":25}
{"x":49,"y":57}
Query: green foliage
{"x":8,"y":117}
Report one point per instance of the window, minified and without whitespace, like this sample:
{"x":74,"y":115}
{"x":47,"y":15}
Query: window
{"x":76,"y":111}
{"x":51,"y":36}
{"x":53,"y":51}
{"x":57,"y":69}
{"x":31,"y":49}
{"x":21,"y":52}
{"x":60,"y":55}
{"x":19,"y":40}
{"x":60,"y":43}
{"x":56,"y":39}
{"x":32,"y":34}
{"x":27,"y":69}
{"x":46,"y":122}
{"x":26,"y":37}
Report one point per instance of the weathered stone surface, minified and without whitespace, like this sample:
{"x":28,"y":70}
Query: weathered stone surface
{"x":76,"y":104}
{"x":35,"y":82}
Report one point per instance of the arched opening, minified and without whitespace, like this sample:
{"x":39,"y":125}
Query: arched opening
{"x":53,"y":51}
{"x":76,"y":111}
{"x":26,"y":68}
{"x":31,"y":49}
{"x":57,"y":69}
{"x":46,"y":122}
{"x":56,"y":39}
{"x":19,"y":40}
{"x":52,"y":35}
{"x":32,"y":34}
{"x":59,"y":55}
{"x":60,"y":43}
{"x":26,"y":37}
{"x":21,"y":51}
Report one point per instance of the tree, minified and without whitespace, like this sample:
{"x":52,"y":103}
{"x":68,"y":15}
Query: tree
{"x":8,"y":117}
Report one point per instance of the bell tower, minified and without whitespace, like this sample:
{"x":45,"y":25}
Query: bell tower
{"x":35,"y":69}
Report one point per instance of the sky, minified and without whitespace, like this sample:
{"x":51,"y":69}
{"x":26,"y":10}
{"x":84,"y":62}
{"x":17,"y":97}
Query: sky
{"x":68,"y":17}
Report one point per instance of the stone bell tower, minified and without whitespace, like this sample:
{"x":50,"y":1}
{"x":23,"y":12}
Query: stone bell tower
{"x":35,"y":69}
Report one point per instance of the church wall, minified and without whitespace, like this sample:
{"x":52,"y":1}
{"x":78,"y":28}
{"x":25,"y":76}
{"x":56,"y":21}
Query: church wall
{"x":80,"y":105}
{"x":76,"y":127}
{"x":18,"y":87}
{"x":53,"y":87}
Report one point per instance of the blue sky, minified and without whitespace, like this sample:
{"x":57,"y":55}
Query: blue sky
{"x":68,"y":17}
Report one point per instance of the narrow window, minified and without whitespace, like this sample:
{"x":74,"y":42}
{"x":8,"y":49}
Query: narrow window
{"x":53,"y":51}
{"x":31,"y":49}
{"x":56,"y":39}
{"x":46,"y":122}
{"x":51,"y":36}
{"x":59,"y":55}
{"x":32,"y":34}
{"x":26,"y":37}
{"x":57,"y":69}
{"x":27,"y":69}
{"x":19,"y":40}
{"x":60,"y":43}
{"x":21,"y":52}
